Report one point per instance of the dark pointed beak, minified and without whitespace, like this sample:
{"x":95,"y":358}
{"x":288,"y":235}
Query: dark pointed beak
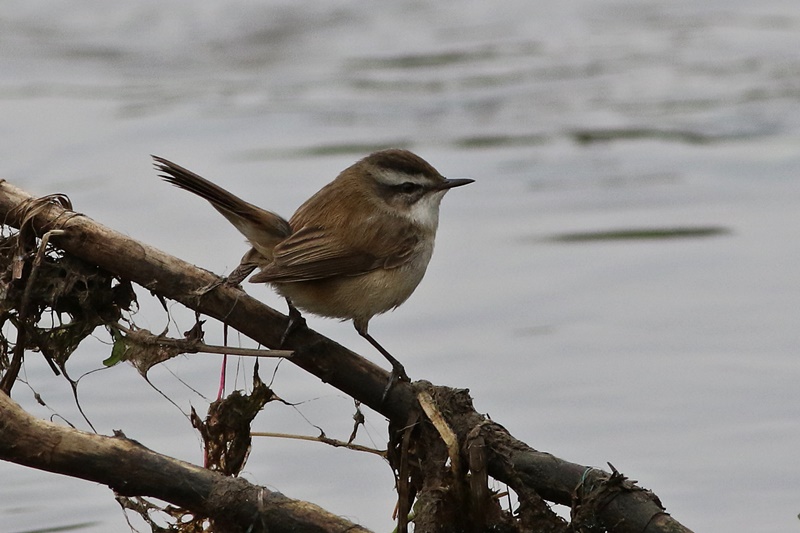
{"x":454,"y":182}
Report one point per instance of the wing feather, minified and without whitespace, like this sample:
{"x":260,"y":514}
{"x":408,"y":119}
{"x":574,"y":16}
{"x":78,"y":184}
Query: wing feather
{"x":313,"y":253}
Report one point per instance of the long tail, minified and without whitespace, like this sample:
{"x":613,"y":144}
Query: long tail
{"x":262,"y":228}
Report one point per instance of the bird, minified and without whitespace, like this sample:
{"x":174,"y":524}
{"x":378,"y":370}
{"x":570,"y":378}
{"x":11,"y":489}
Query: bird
{"x":357,"y":248}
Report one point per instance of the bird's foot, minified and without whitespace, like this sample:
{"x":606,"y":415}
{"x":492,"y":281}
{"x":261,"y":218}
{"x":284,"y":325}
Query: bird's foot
{"x":397,"y":375}
{"x":296,"y":322}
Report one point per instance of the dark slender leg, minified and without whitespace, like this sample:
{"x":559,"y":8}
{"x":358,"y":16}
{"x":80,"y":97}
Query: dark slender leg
{"x":397,"y":367}
{"x":398,"y":371}
{"x":296,"y":321}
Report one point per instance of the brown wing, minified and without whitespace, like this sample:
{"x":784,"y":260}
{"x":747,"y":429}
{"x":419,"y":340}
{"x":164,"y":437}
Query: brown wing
{"x":329,"y":240}
{"x":316,"y":253}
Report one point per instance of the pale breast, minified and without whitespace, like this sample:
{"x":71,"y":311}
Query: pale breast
{"x":359,"y":297}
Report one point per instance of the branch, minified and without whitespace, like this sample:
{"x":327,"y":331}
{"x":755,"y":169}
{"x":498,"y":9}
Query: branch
{"x":131,"y":469}
{"x":336,"y":443}
{"x":187,"y":345}
{"x":615,"y":503}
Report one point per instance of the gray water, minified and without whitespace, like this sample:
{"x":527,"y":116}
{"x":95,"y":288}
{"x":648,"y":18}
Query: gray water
{"x":582,"y":122}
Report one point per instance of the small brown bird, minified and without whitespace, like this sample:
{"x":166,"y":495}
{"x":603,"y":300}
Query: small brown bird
{"x":355,"y":249}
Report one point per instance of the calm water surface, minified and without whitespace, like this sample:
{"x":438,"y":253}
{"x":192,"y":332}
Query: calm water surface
{"x":620,"y":284}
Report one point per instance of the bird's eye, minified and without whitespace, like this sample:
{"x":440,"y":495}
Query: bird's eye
{"x":409,"y":187}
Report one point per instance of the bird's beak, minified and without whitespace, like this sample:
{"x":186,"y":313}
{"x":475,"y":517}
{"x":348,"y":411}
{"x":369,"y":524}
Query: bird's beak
{"x":454,"y":182}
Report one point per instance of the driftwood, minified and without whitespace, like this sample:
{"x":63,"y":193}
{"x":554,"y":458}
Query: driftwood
{"x":428,"y":424}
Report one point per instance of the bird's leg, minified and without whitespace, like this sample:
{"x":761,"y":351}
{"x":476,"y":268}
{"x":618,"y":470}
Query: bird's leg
{"x":296,"y":321}
{"x":398,"y":371}
{"x":397,"y":368}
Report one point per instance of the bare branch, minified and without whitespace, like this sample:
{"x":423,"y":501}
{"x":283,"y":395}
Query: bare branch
{"x":336,"y":443}
{"x":196,"y":346}
{"x":130,"y":469}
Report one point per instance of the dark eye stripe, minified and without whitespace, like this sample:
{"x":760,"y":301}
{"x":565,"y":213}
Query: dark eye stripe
{"x":408,"y":187}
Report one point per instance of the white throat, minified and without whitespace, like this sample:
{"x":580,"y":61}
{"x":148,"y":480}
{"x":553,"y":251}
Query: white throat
{"x":425,"y":212}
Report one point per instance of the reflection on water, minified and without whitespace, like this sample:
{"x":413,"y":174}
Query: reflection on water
{"x":356,"y":150}
{"x":659,"y":139}
{"x":617,"y":134}
{"x":640,"y":234}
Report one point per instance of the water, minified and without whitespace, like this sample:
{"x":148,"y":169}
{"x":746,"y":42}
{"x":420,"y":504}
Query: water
{"x":674,"y":359}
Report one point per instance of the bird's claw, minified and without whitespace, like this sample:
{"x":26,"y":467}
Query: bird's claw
{"x":397,"y":375}
{"x":296,"y":321}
